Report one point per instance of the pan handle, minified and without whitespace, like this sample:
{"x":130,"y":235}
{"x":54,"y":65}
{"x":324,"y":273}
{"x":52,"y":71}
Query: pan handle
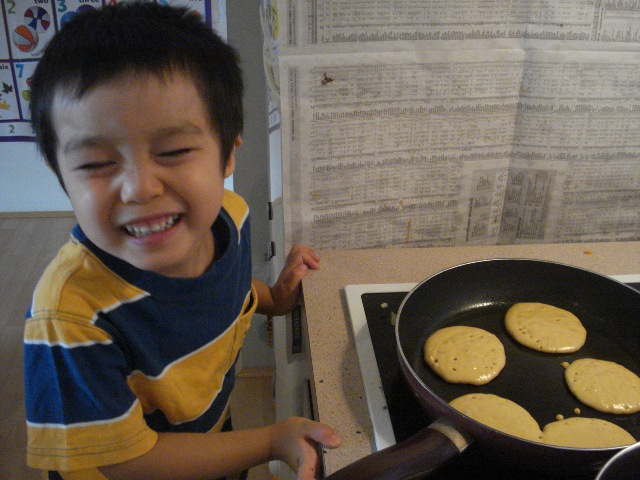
{"x":414,"y":457}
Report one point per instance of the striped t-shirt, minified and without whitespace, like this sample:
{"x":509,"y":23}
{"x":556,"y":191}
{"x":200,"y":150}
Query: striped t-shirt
{"x":115,"y":354}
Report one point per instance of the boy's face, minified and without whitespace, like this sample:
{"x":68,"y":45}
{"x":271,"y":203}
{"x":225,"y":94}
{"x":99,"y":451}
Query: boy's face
{"x":143,"y":170}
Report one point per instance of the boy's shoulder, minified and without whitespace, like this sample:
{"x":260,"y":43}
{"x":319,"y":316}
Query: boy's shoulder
{"x":77,"y":284}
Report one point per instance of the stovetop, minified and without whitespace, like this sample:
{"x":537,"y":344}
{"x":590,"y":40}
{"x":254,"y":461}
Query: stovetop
{"x":395,"y":412}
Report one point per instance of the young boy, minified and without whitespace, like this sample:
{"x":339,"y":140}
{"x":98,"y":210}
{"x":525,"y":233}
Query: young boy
{"x":135,"y":327}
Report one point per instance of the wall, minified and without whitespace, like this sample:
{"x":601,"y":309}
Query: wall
{"x":251,"y":178}
{"x":26,"y":183}
{"x":252,"y":159}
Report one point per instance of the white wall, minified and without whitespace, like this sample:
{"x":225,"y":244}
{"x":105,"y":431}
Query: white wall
{"x":26,"y":183}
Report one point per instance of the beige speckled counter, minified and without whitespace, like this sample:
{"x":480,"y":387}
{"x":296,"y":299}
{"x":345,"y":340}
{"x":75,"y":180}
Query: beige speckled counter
{"x":338,"y":390}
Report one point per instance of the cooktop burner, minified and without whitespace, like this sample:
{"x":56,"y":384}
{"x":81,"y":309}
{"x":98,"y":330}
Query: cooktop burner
{"x":395,"y":412}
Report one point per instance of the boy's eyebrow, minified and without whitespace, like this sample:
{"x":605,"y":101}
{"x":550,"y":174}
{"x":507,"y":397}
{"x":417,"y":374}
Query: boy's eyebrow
{"x":183,"y":128}
{"x":163,"y":132}
{"x":85,"y":142}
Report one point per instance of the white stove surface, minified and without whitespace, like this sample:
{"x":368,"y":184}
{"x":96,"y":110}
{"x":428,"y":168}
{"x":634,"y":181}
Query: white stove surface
{"x":376,"y":402}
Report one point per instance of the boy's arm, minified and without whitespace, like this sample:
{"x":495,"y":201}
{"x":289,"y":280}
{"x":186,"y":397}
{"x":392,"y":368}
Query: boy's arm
{"x":283,"y":296}
{"x":178,"y":456}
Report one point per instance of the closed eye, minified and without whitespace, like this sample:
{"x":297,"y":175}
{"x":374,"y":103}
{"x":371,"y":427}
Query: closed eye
{"x":176,"y":153}
{"x":94,"y":165}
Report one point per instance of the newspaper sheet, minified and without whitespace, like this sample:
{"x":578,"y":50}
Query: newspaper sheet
{"x":429,"y":123}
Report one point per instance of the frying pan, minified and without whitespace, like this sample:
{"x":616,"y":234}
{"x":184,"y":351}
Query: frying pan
{"x":478,"y":294}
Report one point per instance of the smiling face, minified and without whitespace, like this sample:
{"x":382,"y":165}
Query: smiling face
{"x":143,"y":170}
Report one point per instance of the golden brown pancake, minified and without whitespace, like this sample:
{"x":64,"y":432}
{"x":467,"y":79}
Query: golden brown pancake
{"x":545,"y":328}
{"x":463,"y":354}
{"x":606,"y":386}
{"x":580,"y":432}
{"x":500,"y":414}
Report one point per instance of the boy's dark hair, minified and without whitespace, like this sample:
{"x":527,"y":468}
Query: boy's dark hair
{"x":140,"y":37}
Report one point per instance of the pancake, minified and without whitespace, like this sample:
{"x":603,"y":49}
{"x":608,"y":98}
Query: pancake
{"x":464,"y":354}
{"x":580,"y":432}
{"x":545,"y":328}
{"x":500,"y":414}
{"x":606,"y":386}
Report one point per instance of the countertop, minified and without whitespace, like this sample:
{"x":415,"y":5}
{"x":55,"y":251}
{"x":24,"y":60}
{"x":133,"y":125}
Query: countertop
{"x":337,"y":389}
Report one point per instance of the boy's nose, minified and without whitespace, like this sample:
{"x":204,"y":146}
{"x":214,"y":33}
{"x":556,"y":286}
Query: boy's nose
{"x":140,"y":184}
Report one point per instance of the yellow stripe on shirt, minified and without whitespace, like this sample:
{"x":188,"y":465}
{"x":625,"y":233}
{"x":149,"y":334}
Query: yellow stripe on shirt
{"x":187,"y":387}
{"x":94,"y":288}
{"x":236,"y":208}
{"x":54,"y":447}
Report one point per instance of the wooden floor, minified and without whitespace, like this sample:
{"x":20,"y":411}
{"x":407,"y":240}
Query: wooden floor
{"x":26,"y":247}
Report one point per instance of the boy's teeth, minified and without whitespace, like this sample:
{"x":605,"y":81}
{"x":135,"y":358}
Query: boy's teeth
{"x":142,"y":230}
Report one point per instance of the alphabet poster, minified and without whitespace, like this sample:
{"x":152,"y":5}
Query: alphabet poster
{"x":26,"y":26}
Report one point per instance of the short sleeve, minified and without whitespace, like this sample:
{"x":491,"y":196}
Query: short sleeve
{"x":80,"y":411}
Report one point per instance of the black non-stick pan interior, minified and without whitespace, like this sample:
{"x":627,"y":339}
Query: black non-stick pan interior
{"x":478,"y":294}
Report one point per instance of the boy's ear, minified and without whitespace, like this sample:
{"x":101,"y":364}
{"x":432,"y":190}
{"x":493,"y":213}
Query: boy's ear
{"x":231,"y":162}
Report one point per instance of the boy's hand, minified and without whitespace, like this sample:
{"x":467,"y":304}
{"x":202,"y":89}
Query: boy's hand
{"x":295,"y":441}
{"x":178,"y":455}
{"x":285,"y":292}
